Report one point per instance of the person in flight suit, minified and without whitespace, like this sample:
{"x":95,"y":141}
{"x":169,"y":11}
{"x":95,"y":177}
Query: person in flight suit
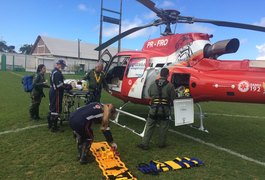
{"x":96,"y":81}
{"x":162,"y":94}
{"x":81,"y":122}
{"x":39,"y":83}
{"x":56,"y":95}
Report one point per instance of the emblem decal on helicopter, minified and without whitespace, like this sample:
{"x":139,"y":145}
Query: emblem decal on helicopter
{"x":243,"y":86}
{"x":130,"y":82}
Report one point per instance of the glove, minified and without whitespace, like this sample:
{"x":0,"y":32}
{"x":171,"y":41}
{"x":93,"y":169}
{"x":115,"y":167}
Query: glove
{"x":114,"y":145}
{"x":114,"y":149}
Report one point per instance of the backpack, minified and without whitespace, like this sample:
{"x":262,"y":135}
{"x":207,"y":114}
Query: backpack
{"x":27,"y":82}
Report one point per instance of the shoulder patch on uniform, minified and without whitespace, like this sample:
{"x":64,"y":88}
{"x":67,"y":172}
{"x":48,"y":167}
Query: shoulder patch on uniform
{"x":97,"y":106}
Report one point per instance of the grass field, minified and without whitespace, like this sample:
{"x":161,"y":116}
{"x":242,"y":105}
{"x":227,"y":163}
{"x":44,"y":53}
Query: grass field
{"x":234,"y":148}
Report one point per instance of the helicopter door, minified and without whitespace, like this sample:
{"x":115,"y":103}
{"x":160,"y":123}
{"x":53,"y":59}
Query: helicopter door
{"x":116,"y":69}
{"x":135,"y":77}
{"x":181,"y":83}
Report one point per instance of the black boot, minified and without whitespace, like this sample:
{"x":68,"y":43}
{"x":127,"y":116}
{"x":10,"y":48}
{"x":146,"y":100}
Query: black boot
{"x":37,"y":116}
{"x":86,"y":156}
{"x":31,"y":113}
{"x":55,"y":127}
{"x":79,"y":145}
{"x":49,"y":120}
{"x":79,"y":151}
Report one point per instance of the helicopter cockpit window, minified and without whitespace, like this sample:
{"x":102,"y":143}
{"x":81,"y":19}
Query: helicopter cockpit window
{"x":136,"y":68}
{"x":120,"y":60}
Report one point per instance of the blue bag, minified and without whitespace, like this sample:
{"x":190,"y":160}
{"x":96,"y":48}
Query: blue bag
{"x":27,"y":82}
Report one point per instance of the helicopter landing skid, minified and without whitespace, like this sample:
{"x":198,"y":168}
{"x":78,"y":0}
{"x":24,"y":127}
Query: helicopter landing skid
{"x":202,"y":116}
{"x":116,"y":120}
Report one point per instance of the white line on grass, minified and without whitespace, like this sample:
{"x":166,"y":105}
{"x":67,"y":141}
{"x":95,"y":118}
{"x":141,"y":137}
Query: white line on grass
{"x":22,"y":129}
{"x":19,"y":75}
{"x":219,"y":148}
{"x":236,"y":115}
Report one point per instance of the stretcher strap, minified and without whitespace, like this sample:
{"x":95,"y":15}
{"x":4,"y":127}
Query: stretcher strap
{"x":111,"y":165}
{"x":155,"y":167}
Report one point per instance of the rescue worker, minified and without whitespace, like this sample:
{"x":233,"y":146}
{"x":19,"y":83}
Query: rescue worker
{"x":96,"y":81}
{"x":56,"y":95}
{"x":162,"y":94}
{"x":81,"y":122}
{"x":37,"y":93}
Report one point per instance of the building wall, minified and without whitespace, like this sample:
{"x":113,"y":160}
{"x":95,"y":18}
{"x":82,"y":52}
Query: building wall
{"x":41,"y":48}
{"x":31,"y":62}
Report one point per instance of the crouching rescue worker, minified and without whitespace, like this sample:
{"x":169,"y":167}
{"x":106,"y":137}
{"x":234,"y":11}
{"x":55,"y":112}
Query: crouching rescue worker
{"x":81,"y":122}
{"x":162,"y":94}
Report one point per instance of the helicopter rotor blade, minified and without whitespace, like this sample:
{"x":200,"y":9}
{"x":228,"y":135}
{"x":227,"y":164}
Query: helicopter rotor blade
{"x":231,"y":24}
{"x":191,"y":20}
{"x":165,"y":15}
{"x":126,"y":33}
{"x":150,"y":5}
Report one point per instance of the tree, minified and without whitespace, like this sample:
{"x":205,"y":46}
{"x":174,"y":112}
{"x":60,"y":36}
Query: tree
{"x":11,"y":49}
{"x":26,"y":48}
{"x":5,"y":48}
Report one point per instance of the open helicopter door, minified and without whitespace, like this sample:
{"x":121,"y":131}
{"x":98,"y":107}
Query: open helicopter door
{"x":106,"y":57}
{"x":115,"y":69}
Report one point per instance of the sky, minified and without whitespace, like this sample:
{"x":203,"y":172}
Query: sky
{"x":22,"y":21}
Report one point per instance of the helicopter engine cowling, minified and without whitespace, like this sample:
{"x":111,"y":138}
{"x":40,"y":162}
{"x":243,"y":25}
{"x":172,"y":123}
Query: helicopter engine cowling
{"x":221,"y":47}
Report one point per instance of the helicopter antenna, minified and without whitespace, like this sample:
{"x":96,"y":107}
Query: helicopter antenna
{"x":175,"y":28}
{"x":149,"y":37}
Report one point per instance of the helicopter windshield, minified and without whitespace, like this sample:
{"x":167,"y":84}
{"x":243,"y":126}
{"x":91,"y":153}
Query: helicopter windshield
{"x":121,"y":60}
{"x":117,"y":61}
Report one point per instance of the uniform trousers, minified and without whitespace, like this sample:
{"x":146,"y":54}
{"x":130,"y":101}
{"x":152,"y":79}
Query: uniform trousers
{"x":150,"y":127}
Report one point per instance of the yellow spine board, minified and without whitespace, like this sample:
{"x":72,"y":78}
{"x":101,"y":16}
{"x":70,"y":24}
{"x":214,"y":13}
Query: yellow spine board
{"x":109,"y":162}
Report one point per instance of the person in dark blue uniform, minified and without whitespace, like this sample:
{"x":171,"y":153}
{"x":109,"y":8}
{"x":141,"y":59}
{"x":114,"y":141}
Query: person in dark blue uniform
{"x":56,"y":95}
{"x":81,"y":122}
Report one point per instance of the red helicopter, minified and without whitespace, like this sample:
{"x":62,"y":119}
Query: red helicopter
{"x":192,"y":60}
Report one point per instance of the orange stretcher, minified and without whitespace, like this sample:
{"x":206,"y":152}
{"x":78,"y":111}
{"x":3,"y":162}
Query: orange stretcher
{"x":109,"y":162}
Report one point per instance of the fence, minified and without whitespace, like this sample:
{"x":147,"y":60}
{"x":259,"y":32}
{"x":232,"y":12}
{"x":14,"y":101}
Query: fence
{"x":22,"y":62}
